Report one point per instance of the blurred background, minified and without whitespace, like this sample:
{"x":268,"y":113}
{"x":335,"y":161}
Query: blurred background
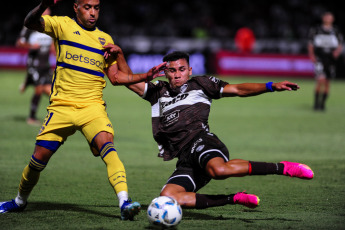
{"x":246,"y":37}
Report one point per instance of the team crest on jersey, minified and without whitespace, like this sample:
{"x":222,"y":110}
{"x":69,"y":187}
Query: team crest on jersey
{"x":171,"y":117}
{"x":102,"y":41}
{"x":184,"y":88}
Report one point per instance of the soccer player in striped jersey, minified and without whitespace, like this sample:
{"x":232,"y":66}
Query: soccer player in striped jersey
{"x":325,"y":44}
{"x":76,"y":101}
{"x":180,"y":111}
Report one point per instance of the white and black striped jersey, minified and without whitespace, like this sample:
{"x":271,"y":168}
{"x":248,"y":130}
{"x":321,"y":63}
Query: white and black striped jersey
{"x":179,"y":114}
{"x":37,"y":58}
{"x":325,"y":41}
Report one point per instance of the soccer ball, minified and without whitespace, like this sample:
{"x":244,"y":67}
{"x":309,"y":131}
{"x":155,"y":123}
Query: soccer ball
{"x":164,"y":211}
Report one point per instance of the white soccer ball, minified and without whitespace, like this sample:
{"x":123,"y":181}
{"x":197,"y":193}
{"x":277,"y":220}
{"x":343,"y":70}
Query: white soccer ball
{"x":164,"y":211}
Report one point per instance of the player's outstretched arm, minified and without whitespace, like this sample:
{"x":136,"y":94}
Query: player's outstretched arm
{"x":120,"y":73}
{"x":111,"y":49}
{"x":117,"y":77}
{"x":114,"y":51}
{"x":253,"y":89}
{"x":33,"y":20}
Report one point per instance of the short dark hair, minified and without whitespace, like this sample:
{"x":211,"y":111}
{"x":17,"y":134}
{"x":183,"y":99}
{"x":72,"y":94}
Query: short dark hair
{"x":327,"y":12}
{"x":176,"y":55}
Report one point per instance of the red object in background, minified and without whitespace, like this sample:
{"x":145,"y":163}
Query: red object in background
{"x":244,"y":40}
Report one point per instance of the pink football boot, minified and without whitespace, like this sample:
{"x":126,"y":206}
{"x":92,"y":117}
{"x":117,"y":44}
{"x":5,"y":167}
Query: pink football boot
{"x":248,"y":200}
{"x":299,"y":170}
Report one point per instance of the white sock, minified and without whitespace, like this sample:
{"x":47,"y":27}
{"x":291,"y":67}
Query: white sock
{"x":122,"y":196}
{"x":21,"y":200}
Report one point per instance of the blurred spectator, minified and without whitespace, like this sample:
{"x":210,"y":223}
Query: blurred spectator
{"x":38,"y":69}
{"x":324,"y":48}
{"x":244,"y":40}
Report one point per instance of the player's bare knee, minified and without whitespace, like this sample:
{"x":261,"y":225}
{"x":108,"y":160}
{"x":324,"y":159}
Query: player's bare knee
{"x":94,"y":151}
{"x":167,"y":193}
{"x":176,"y":195}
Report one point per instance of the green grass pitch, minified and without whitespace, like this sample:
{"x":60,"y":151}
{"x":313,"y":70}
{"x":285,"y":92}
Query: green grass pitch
{"x":74,"y":193}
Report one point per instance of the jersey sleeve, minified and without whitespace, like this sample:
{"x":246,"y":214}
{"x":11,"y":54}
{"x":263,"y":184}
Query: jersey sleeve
{"x":51,"y":26}
{"x":152,"y":91}
{"x":212,"y":86}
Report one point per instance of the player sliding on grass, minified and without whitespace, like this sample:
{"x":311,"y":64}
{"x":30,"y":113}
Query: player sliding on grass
{"x":180,"y":110}
{"x":76,"y":98}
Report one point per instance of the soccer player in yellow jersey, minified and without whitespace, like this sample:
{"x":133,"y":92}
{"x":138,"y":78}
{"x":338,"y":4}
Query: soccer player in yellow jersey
{"x":83,"y":59}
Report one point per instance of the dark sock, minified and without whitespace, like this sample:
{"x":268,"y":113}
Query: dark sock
{"x":263,"y":168}
{"x":34,"y":105}
{"x":323,"y":100}
{"x":316,"y":101}
{"x":205,"y":201}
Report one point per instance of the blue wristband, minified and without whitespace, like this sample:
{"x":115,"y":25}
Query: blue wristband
{"x":269,"y":86}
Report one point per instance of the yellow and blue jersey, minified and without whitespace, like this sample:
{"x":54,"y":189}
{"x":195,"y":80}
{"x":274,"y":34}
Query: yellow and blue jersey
{"x":79,"y":75}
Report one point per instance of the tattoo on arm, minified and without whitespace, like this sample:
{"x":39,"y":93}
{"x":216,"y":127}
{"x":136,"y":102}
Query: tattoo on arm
{"x":130,"y":77}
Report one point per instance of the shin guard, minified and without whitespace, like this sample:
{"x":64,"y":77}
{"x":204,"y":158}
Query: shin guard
{"x":115,"y":168}
{"x":30,"y":176}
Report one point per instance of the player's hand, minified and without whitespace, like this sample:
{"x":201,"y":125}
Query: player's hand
{"x":35,"y":46}
{"x":111,"y":49}
{"x":336,"y":53}
{"x":285,"y":85}
{"x":156,"y":71}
